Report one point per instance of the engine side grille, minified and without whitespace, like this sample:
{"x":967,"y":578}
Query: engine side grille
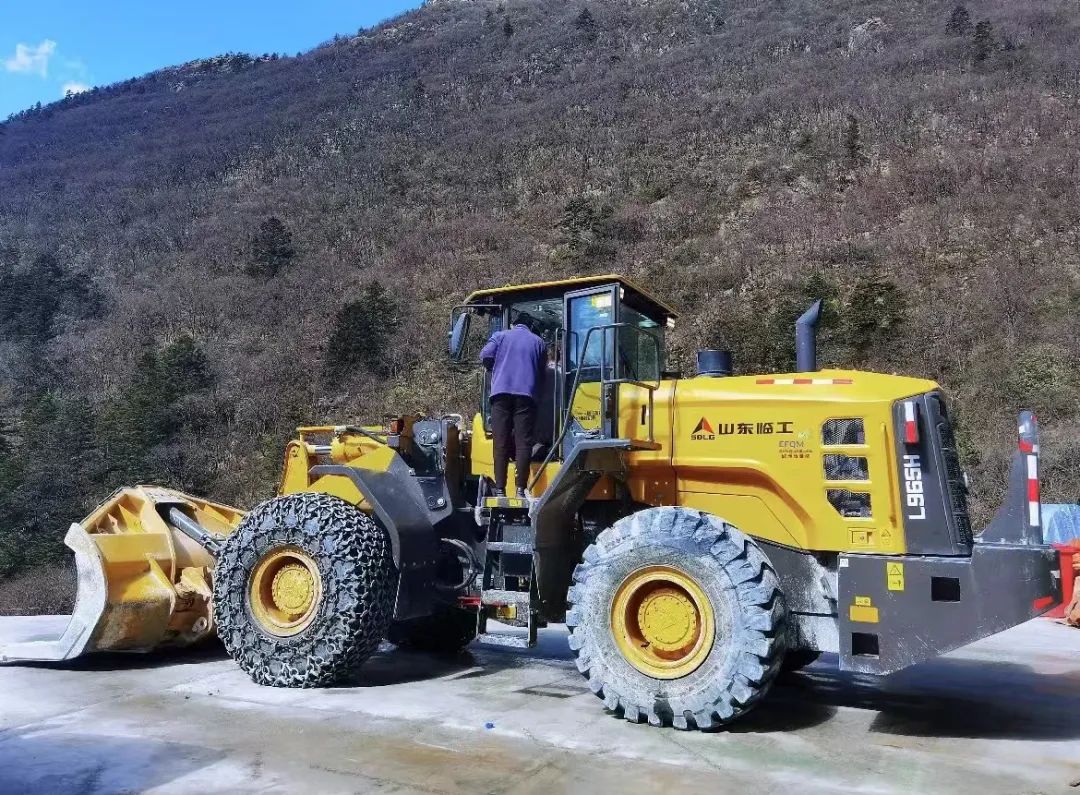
{"x":851,"y":504}
{"x":846,"y":467}
{"x":843,"y":431}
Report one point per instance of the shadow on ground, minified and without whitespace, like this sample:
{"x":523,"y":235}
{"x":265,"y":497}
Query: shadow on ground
{"x":209,"y":651}
{"x":394,"y":666}
{"x":947,"y":697}
{"x":59,"y":764}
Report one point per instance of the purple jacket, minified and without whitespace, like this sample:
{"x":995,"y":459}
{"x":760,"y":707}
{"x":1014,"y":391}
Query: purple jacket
{"x":517,"y":359}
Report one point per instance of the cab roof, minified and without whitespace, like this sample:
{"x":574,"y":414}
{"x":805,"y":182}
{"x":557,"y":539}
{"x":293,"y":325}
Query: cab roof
{"x":512,"y":291}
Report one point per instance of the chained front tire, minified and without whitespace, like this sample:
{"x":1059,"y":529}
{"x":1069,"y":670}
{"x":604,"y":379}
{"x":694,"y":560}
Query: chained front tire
{"x":304,"y":591}
{"x":677,"y":618}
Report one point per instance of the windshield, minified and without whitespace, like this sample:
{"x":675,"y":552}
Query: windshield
{"x":546,"y":314}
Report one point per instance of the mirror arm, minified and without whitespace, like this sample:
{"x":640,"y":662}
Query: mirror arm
{"x":460,"y":321}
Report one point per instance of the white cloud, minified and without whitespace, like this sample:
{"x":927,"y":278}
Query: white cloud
{"x":74,"y":87}
{"x":31,"y":59}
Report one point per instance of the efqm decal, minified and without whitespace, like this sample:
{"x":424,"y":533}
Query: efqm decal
{"x":799,"y":447}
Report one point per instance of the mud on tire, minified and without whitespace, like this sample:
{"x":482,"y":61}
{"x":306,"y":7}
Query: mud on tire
{"x":742,"y":589}
{"x":359,"y":582}
{"x":445,"y":631}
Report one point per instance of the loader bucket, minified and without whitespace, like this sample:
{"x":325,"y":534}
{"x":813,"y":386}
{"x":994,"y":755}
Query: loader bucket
{"x":144,"y":580}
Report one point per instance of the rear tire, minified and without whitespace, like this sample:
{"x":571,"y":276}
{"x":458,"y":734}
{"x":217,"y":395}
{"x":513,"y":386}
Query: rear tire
{"x":304,"y":591}
{"x":447,"y":631}
{"x":738,"y":599}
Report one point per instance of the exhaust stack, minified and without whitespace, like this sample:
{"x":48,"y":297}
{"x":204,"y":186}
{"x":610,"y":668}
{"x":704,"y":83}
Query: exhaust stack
{"x":713,"y":363}
{"x":806,"y":339}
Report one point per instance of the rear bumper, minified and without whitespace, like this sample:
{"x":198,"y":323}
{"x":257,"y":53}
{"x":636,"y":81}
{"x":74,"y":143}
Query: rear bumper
{"x":898,"y":611}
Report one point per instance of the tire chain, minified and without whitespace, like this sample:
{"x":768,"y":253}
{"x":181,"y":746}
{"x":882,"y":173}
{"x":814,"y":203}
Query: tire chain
{"x":358,"y":591}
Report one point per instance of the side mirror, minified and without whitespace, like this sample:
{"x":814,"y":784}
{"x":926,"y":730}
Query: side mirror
{"x":458,"y":334}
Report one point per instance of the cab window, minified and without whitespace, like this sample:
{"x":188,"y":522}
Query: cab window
{"x":547,"y":316}
{"x":639,"y":358}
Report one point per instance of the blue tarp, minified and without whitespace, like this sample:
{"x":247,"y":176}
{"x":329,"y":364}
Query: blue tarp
{"x":1061,"y":523}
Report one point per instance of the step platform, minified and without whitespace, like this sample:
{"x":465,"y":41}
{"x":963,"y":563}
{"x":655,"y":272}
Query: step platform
{"x":508,"y":503}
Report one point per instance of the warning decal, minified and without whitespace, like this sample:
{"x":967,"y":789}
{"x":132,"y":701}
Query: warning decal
{"x":894,"y":576}
{"x":863,"y":611}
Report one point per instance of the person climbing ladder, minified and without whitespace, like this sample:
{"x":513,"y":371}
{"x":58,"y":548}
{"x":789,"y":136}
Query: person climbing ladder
{"x":517,"y":360}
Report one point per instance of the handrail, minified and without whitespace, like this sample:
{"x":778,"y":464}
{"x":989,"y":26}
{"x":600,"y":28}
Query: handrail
{"x":650,"y":388}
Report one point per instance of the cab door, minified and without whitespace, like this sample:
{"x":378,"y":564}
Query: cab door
{"x":588,"y":354}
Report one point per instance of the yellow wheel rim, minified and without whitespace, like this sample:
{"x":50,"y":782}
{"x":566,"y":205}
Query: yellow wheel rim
{"x":284,"y":591}
{"x":663,"y":622}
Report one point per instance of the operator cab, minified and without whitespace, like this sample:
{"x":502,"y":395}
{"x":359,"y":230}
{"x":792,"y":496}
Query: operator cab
{"x":602,"y":332}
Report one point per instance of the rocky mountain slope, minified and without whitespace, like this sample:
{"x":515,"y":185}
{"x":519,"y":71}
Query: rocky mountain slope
{"x":195,"y":260}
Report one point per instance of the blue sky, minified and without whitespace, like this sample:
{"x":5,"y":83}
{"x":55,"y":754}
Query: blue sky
{"x":48,"y":47}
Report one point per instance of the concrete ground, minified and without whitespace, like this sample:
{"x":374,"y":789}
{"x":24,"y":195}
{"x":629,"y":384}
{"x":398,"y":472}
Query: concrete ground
{"x":1001,"y":716}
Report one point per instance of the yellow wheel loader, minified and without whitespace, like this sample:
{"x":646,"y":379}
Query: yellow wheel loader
{"x":696,"y":534}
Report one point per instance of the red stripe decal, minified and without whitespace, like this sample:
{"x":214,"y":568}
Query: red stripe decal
{"x":766,"y":381}
{"x":911,"y":422}
{"x":912,"y":434}
{"x":1033,"y":490}
{"x":1042,"y":602}
{"x":847,"y":381}
{"x":804,"y":381}
{"x":1026,"y":446}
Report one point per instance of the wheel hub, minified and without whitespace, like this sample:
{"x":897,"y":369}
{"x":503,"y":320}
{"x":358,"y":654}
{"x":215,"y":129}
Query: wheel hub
{"x":668,"y":619}
{"x":284,"y":591}
{"x":293,"y":589}
{"x":663,"y":622}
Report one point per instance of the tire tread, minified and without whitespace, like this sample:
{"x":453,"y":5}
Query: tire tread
{"x":359,"y":581}
{"x":760,"y":599}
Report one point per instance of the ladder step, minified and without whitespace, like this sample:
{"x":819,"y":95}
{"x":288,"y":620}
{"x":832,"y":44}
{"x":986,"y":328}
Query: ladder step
{"x":507,"y":503}
{"x":499,"y":639}
{"x":505,"y":598}
{"x":510,"y":546}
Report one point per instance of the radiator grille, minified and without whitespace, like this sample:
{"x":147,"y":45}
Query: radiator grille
{"x":844,"y":431}
{"x":850,"y":504}
{"x":846,"y":467}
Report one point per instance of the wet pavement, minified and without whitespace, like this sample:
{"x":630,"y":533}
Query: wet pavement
{"x":1000,"y":716}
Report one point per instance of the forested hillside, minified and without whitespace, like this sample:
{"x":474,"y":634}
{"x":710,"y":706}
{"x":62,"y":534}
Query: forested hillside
{"x":194,"y":261}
